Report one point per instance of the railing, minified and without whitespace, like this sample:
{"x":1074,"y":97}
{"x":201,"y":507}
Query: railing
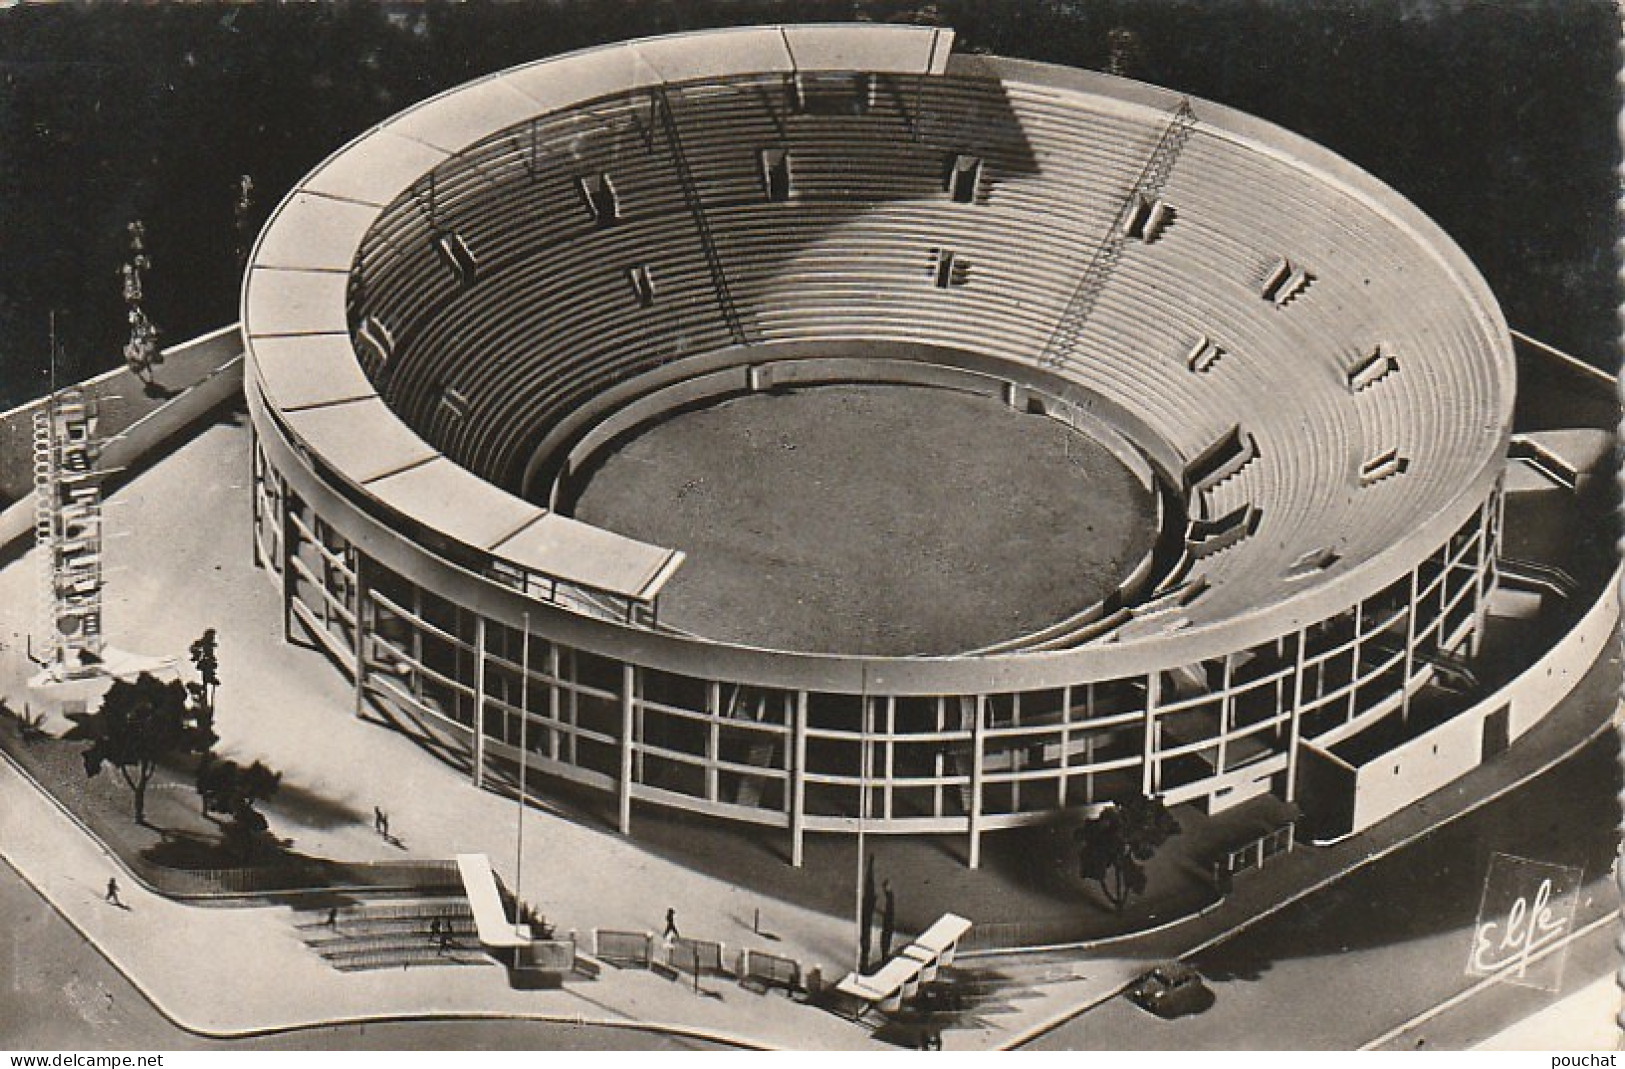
{"x":1254,"y":854}
{"x":691,"y":198}
{"x":1148,"y":185}
{"x":304,"y":874}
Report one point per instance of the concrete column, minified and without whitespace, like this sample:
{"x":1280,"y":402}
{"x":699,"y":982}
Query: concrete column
{"x":553,"y":702}
{"x":1410,"y":650}
{"x":713,"y":742}
{"x":628,"y":676}
{"x":358,"y":614}
{"x":891,"y":733}
{"x":798,"y":780}
{"x":1066,"y":743}
{"x":978,"y":730}
{"x":1149,"y":780}
{"x":1295,"y":728}
{"x":288,"y":585}
{"x":256,"y":482}
{"x":479,"y":700}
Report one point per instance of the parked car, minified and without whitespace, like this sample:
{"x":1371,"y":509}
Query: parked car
{"x":1171,"y":989}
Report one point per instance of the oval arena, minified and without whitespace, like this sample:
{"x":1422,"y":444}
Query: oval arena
{"x":456,"y":323}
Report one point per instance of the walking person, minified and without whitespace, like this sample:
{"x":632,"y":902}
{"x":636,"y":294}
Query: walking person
{"x":888,"y":919}
{"x":333,"y":918}
{"x":378,"y":821}
{"x":112,"y":893}
{"x":671,"y":926}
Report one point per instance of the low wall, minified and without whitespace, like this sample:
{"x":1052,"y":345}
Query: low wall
{"x":204,"y":373}
{"x":1420,"y":766}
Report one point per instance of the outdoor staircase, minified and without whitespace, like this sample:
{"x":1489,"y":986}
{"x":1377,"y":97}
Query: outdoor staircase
{"x":392,"y":933}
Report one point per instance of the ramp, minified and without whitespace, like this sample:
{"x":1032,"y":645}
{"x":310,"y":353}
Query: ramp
{"x":490,"y":919}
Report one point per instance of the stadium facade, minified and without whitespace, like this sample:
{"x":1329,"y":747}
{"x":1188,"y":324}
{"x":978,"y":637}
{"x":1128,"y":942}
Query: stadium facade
{"x":450,"y":317}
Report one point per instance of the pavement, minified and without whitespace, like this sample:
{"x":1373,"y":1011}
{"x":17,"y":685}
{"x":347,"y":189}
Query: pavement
{"x":180,"y":559}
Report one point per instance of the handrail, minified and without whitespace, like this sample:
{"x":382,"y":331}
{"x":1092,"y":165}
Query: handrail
{"x":691,"y":198}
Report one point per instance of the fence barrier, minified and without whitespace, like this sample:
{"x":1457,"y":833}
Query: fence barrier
{"x":622,"y":948}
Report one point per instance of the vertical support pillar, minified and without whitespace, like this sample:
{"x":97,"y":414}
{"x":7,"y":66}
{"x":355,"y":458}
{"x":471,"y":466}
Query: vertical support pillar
{"x":256,"y":482}
{"x":891,"y":733}
{"x":628,"y":676}
{"x":479,"y":699}
{"x":1227,"y":713}
{"x":1150,"y":778}
{"x":798,"y":779}
{"x":1483,"y":572}
{"x":713,"y":741}
{"x":288,"y":585}
{"x":1410,"y":649}
{"x":1018,"y":762}
{"x":1065,"y":761}
{"x":938,"y":757}
{"x":553,"y":702}
{"x":360,"y":623}
{"x":1354,"y":661}
{"x":1089,"y":743}
{"x":1295,"y":725}
{"x":639,"y":728}
{"x":978,"y":731}
{"x":573,"y":703}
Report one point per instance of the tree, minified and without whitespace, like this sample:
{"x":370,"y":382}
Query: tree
{"x":204,"y":655}
{"x":233,"y":791}
{"x":1114,"y":846}
{"x":138,"y":725}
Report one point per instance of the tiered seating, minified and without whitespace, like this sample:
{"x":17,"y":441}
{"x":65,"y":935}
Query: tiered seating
{"x":504,"y":304}
{"x":394,"y":934}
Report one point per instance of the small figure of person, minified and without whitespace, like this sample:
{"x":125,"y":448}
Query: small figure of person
{"x":378,"y":824}
{"x":333,"y":917}
{"x":112,"y":893}
{"x":671,"y":925}
{"x":434,"y":930}
{"x":385,"y":817}
{"x":888,"y":919}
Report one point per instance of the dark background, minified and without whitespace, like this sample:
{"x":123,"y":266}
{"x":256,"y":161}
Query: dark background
{"x":1496,"y":118}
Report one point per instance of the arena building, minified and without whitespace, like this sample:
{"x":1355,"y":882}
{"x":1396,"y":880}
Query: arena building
{"x":451,"y":319}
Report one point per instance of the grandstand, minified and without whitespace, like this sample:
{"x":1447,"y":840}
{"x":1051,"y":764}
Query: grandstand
{"x":449,"y":318}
